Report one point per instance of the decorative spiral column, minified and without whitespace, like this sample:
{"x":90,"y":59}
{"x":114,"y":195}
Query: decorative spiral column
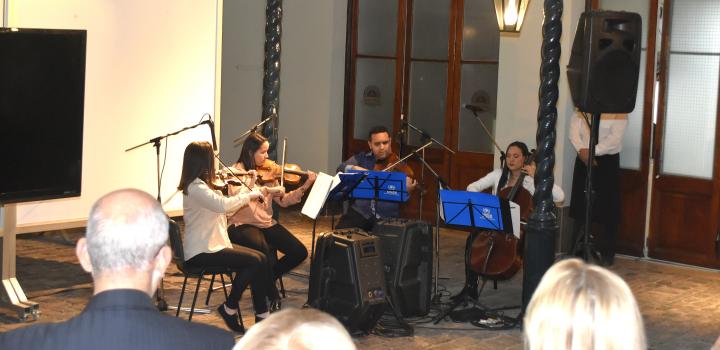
{"x":271,"y":75}
{"x":542,"y":225}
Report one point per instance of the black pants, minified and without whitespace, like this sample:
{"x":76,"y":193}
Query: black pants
{"x":252,"y":268}
{"x":354,"y":219}
{"x":265,"y":239}
{"x":606,"y":202}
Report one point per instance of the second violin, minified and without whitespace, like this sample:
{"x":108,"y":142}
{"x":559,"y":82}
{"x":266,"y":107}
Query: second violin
{"x":269,"y":171}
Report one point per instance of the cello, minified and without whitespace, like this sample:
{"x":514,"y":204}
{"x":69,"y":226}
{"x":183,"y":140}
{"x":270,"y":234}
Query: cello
{"x":497,"y":255}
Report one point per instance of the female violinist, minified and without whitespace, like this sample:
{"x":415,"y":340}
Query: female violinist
{"x":206,"y":240}
{"x":253,"y":226}
{"x":503,"y":181}
{"x":363,"y":213}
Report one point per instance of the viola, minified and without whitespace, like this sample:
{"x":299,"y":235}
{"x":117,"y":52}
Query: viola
{"x":497,"y":255}
{"x":269,"y":171}
{"x":382,"y":165}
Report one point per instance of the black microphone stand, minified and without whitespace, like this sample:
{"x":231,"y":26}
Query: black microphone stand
{"x":488,"y":133}
{"x":253,"y":129}
{"x":441,"y":184}
{"x":160,"y":294}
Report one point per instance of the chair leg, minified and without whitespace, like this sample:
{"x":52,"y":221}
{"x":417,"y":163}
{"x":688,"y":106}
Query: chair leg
{"x":222,"y":279}
{"x":197,"y":289}
{"x":282,"y":287}
{"x":182,"y":293}
{"x":210,"y":289}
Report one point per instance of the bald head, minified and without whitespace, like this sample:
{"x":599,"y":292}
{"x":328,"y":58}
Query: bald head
{"x":126,"y":229}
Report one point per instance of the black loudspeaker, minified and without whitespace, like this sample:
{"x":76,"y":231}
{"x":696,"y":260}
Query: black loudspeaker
{"x":347,"y":280}
{"x":406,"y":247}
{"x":605,"y":62}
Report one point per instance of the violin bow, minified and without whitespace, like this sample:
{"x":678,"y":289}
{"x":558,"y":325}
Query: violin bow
{"x":231,"y":172}
{"x":282,"y":165}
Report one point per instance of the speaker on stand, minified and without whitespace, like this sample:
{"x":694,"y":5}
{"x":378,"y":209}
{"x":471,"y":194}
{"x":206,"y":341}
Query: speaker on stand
{"x":605,"y":62}
{"x":603,"y":78}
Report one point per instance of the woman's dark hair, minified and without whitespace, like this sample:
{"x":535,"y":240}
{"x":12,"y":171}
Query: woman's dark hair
{"x":247,"y":155}
{"x":506,"y":172}
{"x":198,"y":163}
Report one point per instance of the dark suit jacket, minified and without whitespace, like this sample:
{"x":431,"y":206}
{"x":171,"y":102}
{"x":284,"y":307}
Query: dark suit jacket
{"x":119,"y":319}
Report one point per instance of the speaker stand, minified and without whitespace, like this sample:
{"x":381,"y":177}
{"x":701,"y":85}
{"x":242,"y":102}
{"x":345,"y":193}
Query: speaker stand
{"x":586,"y":247}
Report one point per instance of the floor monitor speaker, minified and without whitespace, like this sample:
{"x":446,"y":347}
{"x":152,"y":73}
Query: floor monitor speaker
{"x":347,"y":280}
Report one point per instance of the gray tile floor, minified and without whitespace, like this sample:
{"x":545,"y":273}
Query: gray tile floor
{"x":680,"y":305}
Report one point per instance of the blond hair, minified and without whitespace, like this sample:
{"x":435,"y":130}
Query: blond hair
{"x":297,"y":329}
{"x":582,"y":306}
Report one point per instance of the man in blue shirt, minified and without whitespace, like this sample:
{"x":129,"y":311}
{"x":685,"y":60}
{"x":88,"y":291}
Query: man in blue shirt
{"x":364,"y":213}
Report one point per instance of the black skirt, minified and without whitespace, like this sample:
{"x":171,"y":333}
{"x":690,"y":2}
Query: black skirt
{"x":606,"y":183}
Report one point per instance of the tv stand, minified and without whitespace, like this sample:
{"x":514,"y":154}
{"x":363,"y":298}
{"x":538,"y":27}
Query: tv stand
{"x":11,"y":294}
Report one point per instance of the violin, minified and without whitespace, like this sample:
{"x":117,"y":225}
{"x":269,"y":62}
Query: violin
{"x":382,"y":165}
{"x":269,"y":171}
{"x":498,"y":255}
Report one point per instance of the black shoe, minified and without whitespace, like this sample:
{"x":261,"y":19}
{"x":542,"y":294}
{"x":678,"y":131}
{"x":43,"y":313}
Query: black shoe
{"x":231,"y":321}
{"x":469,"y":291}
{"x":258,"y":319}
{"x":275,"y":305}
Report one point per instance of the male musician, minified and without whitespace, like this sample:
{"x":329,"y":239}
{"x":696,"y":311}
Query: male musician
{"x":606,"y":178}
{"x":126,"y":252}
{"x":364,"y":213}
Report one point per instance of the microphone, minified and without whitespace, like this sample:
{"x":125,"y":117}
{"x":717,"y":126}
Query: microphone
{"x":211,"y":124}
{"x":473,"y":108}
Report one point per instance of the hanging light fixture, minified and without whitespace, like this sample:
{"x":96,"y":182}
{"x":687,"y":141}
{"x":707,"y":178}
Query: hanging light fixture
{"x":510,"y":14}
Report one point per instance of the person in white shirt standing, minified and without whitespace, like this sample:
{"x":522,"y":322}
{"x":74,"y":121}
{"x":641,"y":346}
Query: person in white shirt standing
{"x":606,"y":178}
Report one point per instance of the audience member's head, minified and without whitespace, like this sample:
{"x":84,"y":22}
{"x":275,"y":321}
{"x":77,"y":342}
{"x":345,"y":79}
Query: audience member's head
{"x":297,"y":329}
{"x":582,"y":306}
{"x":125,"y":242}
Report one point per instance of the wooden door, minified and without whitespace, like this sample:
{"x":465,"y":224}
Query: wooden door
{"x":424,"y":59}
{"x":686,"y":185}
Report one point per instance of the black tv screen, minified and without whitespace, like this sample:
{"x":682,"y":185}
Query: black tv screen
{"x":42,"y":93}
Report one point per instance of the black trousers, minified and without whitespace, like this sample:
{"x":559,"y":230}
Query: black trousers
{"x":252,"y":268}
{"x":265,"y":239}
{"x":606,"y":202}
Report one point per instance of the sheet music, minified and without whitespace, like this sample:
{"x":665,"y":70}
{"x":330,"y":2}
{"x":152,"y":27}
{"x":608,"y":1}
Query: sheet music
{"x":324,"y":183}
{"x":515,"y":217}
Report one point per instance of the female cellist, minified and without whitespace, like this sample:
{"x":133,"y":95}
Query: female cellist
{"x":506,"y":178}
{"x":206,"y":240}
{"x":253,"y":226}
{"x":516,"y":154}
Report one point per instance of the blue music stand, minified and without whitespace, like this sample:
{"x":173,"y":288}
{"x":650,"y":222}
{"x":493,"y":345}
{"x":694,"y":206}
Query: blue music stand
{"x":477,"y":210}
{"x":381,"y":185}
{"x":348,"y":183}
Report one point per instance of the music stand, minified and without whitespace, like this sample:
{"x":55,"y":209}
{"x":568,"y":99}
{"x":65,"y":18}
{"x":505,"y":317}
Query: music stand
{"x":479,"y":211}
{"x":387,"y":186}
{"x":328,"y":188}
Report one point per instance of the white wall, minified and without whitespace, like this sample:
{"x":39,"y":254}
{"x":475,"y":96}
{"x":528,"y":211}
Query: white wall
{"x":243,"y":36}
{"x":519,"y":82}
{"x":150,"y":71}
{"x":311,"y":78}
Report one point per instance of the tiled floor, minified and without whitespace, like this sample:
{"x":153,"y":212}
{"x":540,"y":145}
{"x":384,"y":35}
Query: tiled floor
{"x":680,"y":305}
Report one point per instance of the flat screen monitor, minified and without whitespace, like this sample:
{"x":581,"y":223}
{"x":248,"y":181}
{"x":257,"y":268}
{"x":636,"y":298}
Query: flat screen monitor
{"x":42,"y":94}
